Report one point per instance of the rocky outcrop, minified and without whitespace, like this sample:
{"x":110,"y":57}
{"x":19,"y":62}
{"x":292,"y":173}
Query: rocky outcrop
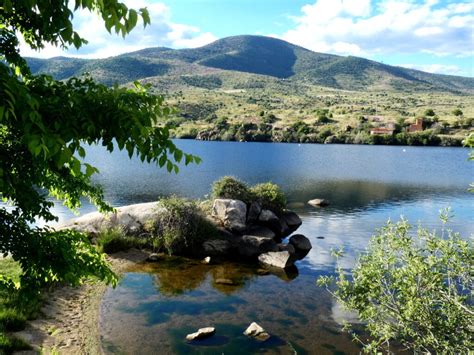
{"x":131,"y":219}
{"x":257,"y":332}
{"x":280,"y":259}
{"x":231,"y":213}
{"x":201,"y":334}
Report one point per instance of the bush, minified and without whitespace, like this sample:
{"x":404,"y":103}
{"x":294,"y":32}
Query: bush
{"x":412,"y":289}
{"x":181,"y":227}
{"x":113,"y":240}
{"x":269,"y":196}
{"x":457,"y":112}
{"x":12,"y":319}
{"x":232,"y":188}
{"x":429,"y":112}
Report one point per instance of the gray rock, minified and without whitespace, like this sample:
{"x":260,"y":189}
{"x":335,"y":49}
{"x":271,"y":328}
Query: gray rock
{"x":292,"y":219}
{"x":261,"y":231}
{"x":217,"y":247}
{"x":318,"y":202}
{"x":269,"y":219}
{"x":251,"y":246}
{"x":257,"y":332}
{"x":280,"y":259}
{"x":253,"y":212}
{"x":130,"y":219}
{"x":201,"y":334}
{"x":301,"y":243}
{"x":231,"y":213}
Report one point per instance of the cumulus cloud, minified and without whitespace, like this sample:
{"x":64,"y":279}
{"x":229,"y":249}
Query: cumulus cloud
{"x":435,"y":68}
{"x":162,"y":32}
{"x":391,"y":26}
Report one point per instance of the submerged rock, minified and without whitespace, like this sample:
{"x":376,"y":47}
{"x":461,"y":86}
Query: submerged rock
{"x":318,"y":202}
{"x":153,"y":258}
{"x":280,"y":259}
{"x":201,"y":334}
{"x":231,"y":213}
{"x":227,"y":282}
{"x":257,"y":332}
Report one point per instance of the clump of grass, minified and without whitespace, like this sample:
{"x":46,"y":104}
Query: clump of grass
{"x":10,"y":344}
{"x":270,"y":196}
{"x":11,"y":319}
{"x":231,"y":188}
{"x":181,"y":227}
{"x":114,"y":240}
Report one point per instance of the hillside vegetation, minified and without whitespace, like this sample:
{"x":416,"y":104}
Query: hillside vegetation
{"x":255,"y":88}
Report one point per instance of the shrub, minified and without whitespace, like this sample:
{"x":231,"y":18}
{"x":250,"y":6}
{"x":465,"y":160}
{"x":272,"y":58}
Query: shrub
{"x":113,"y":240}
{"x":270,"y":196}
{"x":181,"y":226}
{"x":429,"y":112}
{"x":230,"y":187}
{"x":412,"y":289}
{"x":457,"y":112}
{"x":12,"y":319}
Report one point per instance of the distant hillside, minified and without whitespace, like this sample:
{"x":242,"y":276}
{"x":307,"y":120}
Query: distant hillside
{"x":257,"y":55}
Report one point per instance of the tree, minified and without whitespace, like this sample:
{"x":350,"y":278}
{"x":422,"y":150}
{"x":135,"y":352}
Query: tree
{"x":44,"y":127}
{"x":457,"y":112}
{"x":429,"y":112}
{"x":411,"y":290}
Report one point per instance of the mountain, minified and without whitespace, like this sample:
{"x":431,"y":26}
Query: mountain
{"x":263,"y":56}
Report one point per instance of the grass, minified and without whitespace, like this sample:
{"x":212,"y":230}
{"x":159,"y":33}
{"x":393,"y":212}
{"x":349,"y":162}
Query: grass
{"x":13,"y":316}
{"x":113,"y":240}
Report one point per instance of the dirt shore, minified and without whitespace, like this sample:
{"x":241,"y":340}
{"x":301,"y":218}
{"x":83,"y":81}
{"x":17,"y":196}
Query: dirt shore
{"x":69,"y":323}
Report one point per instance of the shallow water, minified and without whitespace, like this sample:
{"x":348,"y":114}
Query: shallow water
{"x":155,"y":306}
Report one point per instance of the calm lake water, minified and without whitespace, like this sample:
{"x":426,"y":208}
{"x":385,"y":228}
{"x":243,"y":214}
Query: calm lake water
{"x":155,"y":306}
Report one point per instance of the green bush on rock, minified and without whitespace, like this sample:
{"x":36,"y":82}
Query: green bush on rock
{"x":231,"y":188}
{"x":270,"y":196}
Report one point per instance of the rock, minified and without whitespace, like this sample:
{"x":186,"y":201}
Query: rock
{"x":263,"y":272}
{"x":227,"y":282}
{"x":217,"y":247}
{"x":261,"y":231}
{"x":301,"y":244}
{"x":280,"y":259}
{"x":287,"y":247}
{"x":201,"y":334}
{"x":231,"y":213}
{"x":269,"y":219}
{"x":153,"y":258}
{"x":257,"y":332}
{"x":251,"y":246}
{"x":292,"y":220}
{"x":130,"y":219}
{"x":206,"y":260}
{"x":253,"y":212}
{"x":318,"y":202}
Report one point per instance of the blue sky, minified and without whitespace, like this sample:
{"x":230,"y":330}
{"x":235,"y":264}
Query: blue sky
{"x":431,"y":35}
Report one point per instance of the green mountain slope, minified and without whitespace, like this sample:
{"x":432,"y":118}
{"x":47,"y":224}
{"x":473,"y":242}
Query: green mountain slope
{"x":257,"y":55}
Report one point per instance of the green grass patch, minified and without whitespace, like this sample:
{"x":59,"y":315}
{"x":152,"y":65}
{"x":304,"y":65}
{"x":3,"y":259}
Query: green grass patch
{"x":113,"y":240}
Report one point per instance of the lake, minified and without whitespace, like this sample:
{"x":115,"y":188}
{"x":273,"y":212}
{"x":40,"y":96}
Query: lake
{"x":155,"y":306}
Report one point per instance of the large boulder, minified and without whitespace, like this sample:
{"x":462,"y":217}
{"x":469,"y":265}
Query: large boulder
{"x":280,"y":259}
{"x":292,"y":220}
{"x":251,"y":246}
{"x":269,"y":219}
{"x":217,"y":247}
{"x":231,"y":213}
{"x":302,"y":245}
{"x":131,"y":219}
{"x":253,"y":212}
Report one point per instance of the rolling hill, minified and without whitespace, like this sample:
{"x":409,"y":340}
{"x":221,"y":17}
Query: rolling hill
{"x":263,"y":56}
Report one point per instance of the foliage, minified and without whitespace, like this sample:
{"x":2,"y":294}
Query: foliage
{"x":181,"y":226}
{"x":270,"y":196}
{"x":232,"y":188}
{"x":457,"y":112}
{"x":114,"y":240}
{"x":415,"y":290}
{"x":45,"y":126}
{"x":429,"y":112}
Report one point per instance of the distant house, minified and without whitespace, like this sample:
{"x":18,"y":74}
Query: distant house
{"x":382,"y":130}
{"x":417,"y":126}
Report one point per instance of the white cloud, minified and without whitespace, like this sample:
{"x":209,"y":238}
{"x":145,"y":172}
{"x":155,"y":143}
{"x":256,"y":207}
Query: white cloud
{"x":390,"y":26}
{"x":435,"y":68}
{"x":162,"y":32}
